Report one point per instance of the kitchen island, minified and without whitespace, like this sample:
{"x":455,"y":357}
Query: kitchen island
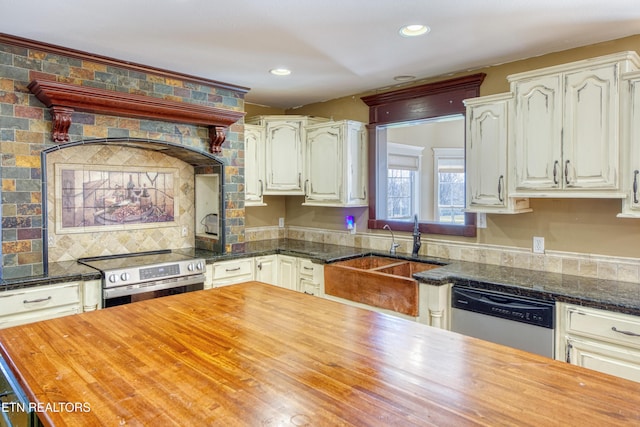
{"x":255,"y":354}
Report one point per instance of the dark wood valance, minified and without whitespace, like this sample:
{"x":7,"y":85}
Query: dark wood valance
{"x":65,"y":98}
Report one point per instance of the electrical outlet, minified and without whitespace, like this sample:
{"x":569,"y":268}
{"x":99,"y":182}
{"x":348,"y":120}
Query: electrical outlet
{"x":184,"y":231}
{"x":281,"y":222}
{"x":538,"y":245}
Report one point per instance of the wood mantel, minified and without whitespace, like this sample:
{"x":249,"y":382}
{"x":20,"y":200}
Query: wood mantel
{"x":65,"y":98}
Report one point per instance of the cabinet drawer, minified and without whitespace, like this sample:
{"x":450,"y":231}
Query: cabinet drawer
{"x":612,"y":327}
{"x":39,"y":298}
{"x":307,"y":268}
{"x":309,"y":287}
{"x":231,"y":269}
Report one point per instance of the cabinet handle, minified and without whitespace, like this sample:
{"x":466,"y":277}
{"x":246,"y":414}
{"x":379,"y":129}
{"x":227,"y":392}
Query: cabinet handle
{"x":555,"y":172}
{"x":629,"y":333}
{"x":500,"y":181}
{"x":261,"y":188}
{"x":299,"y":180}
{"x":566,"y":172}
{"x":232,"y":269}
{"x":306,"y":181}
{"x":307,"y":268}
{"x":36,"y":300}
{"x":635,"y":185}
{"x":260,"y":266}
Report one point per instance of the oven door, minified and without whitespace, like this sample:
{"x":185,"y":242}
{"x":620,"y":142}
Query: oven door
{"x":119,"y":295}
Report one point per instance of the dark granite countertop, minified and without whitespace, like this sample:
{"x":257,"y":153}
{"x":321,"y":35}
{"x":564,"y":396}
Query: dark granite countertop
{"x":623,"y":297}
{"x":611,"y":295}
{"x":58,"y":272}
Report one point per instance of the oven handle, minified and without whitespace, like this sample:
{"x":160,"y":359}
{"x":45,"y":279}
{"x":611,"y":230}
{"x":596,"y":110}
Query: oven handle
{"x":158,"y":285}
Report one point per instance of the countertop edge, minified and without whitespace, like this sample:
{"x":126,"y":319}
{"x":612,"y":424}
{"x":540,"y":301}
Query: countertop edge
{"x":622,"y":297}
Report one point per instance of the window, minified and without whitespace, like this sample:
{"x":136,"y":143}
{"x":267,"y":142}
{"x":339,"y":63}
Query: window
{"x":449,"y":184}
{"x":403,"y":181}
{"x":400,"y":193}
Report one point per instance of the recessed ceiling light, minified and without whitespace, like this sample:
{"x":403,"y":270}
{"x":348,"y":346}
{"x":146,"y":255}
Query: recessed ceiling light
{"x":414,"y":30}
{"x":403,"y":78}
{"x":280,"y":71}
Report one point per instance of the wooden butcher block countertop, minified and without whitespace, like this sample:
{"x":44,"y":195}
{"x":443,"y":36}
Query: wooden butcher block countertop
{"x":258,"y":355}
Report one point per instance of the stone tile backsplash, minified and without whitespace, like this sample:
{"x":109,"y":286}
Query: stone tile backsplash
{"x":578,"y":264}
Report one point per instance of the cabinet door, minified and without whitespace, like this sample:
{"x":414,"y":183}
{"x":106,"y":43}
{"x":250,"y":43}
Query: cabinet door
{"x":284,"y":151}
{"x":254,"y":164}
{"x":287,"y":272}
{"x":486,"y":157}
{"x":590,"y":132}
{"x":631,"y":135}
{"x":612,"y":360}
{"x":538,"y":133}
{"x":266,"y":269}
{"x":356,"y":165}
{"x":324,"y":163}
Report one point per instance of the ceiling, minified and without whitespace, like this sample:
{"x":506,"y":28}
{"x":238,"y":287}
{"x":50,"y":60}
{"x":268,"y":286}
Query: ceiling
{"x":333,"y":47}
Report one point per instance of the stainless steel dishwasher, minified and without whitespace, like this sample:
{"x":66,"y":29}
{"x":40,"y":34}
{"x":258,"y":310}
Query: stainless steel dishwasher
{"x":514,"y":321}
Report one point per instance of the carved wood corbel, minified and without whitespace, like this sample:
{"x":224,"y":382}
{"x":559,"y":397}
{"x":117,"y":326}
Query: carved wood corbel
{"x":61,"y":117}
{"x":217,"y":136}
{"x":64,"y":99}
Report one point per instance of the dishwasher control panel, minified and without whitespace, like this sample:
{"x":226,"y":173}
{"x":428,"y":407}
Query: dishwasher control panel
{"x":510,"y":307}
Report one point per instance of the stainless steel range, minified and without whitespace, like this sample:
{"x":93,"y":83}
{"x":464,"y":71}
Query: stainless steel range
{"x":144,"y":275}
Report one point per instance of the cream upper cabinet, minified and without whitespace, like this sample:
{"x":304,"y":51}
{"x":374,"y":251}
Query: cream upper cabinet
{"x":631,"y":145}
{"x":567,"y":126}
{"x":487,"y":149}
{"x":285,"y":142}
{"x":254,"y":165}
{"x":336,"y":160}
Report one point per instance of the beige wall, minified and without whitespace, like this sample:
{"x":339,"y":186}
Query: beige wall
{"x":585,"y":226}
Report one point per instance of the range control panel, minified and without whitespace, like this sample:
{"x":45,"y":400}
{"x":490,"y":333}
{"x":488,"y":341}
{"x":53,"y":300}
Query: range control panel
{"x":133,"y":275}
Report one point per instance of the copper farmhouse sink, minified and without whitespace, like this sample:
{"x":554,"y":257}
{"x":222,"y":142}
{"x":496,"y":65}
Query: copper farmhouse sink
{"x":377,"y":281}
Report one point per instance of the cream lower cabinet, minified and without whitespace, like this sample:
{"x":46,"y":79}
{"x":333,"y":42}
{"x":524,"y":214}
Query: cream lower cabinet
{"x":310,"y":277}
{"x":92,"y":295}
{"x":224,"y":273}
{"x":600,"y":340}
{"x":287,"y":272}
{"x":435,"y":305}
{"x":29,"y":305}
{"x":566,"y":128}
{"x":266,"y":269}
{"x":336,"y":164}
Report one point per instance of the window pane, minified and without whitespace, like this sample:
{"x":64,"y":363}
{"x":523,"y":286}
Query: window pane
{"x":400,"y":192}
{"x":451,"y":197}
